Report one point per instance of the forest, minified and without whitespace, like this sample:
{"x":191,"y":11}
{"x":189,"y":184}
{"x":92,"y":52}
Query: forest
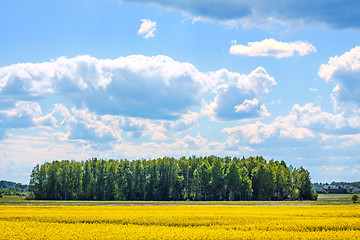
{"x":208,"y":178}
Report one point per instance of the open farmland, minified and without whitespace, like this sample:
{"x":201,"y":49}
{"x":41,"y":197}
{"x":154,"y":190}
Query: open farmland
{"x":181,"y":222}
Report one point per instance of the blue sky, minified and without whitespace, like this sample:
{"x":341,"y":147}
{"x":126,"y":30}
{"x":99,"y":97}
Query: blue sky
{"x":147,"y":79}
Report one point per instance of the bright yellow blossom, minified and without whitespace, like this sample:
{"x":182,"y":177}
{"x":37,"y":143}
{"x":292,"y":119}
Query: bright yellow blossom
{"x":179,"y":222}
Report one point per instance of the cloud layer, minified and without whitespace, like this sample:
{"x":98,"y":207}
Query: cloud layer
{"x":273,"y":48}
{"x":99,"y":100}
{"x":333,"y":13}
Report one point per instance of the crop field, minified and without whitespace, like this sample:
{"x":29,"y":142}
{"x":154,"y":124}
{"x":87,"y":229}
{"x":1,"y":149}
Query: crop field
{"x":180,"y":222}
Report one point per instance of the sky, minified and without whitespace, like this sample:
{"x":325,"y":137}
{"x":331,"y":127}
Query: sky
{"x":144,"y":79}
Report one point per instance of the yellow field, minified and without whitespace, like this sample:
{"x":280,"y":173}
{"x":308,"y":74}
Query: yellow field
{"x":180,"y":222}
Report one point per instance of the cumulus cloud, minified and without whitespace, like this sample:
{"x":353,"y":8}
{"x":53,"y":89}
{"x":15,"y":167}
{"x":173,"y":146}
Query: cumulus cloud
{"x":134,"y":86}
{"x":88,"y":126}
{"x":332,"y":13}
{"x":303,"y":122}
{"x":273,"y":48}
{"x":147,"y":28}
{"x":158,"y":88}
{"x":23,"y":115}
{"x":83,"y":125}
{"x":238,"y":96}
{"x":105,"y":100}
{"x":247,"y":105}
{"x":344,"y":70}
{"x":185,"y":122}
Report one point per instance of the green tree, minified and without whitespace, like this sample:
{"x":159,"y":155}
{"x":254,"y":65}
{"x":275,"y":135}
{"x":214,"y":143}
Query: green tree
{"x":176,"y":180}
{"x":151,"y":185}
{"x":246,"y":190}
{"x":100,"y":180}
{"x":233,"y":182}
{"x":193,"y":178}
{"x":36,"y":187}
{"x":203,"y":179}
{"x":86,"y":182}
{"x":305,"y":190}
{"x":126,"y":188}
{"x":217,"y":179}
{"x":164,"y":184}
{"x":52,"y":185}
{"x":138,"y":182}
{"x":110,"y":183}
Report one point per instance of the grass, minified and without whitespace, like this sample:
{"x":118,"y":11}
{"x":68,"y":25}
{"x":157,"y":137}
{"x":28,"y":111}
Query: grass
{"x":324,"y":199}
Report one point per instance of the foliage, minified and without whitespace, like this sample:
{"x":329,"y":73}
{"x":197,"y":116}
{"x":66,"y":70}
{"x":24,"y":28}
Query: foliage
{"x":15,"y":189}
{"x":195,"y":178}
{"x":6,"y":184}
{"x":180,"y":222}
{"x":355,"y":198}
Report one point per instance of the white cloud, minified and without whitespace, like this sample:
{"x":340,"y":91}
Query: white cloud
{"x":137,"y":86}
{"x":254,"y":133}
{"x":185,"y":122}
{"x":83,"y":125}
{"x":88,"y":126}
{"x":344,"y":70}
{"x":159,"y":136}
{"x":147,"y":28}
{"x":273,"y":48}
{"x":238,"y":96}
{"x":303,"y":122}
{"x":247,"y":105}
{"x":348,"y":62}
{"x":98,"y":100}
{"x":134,"y":86}
{"x":23,"y":114}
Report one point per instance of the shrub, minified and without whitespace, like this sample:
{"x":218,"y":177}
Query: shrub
{"x":355,"y":198}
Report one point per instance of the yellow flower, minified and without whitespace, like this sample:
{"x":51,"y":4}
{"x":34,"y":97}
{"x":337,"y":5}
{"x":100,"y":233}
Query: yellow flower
{"x":180,"y":222}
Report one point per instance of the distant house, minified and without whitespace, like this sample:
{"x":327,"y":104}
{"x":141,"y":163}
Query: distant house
{"x":335,"y":189}
{"x":356,"y":190}
{"x":318,"y":189}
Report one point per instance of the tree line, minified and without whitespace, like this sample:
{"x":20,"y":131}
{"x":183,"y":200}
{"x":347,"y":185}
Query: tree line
{"x":169,"y":179}
{"x":11,"y":188}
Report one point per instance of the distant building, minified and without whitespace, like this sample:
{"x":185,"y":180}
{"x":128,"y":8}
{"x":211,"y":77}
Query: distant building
{"x":318,"y":189}
{"x":356,"y":190}
{"x":332,"y":189}
{"x":335,"y":189}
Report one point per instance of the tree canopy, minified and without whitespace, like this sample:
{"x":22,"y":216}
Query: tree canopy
{"x":163,"y":179}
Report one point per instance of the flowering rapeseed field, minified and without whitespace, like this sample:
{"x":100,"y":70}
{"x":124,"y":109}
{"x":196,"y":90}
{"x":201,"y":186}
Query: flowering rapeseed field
{"x":180,"y":222}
